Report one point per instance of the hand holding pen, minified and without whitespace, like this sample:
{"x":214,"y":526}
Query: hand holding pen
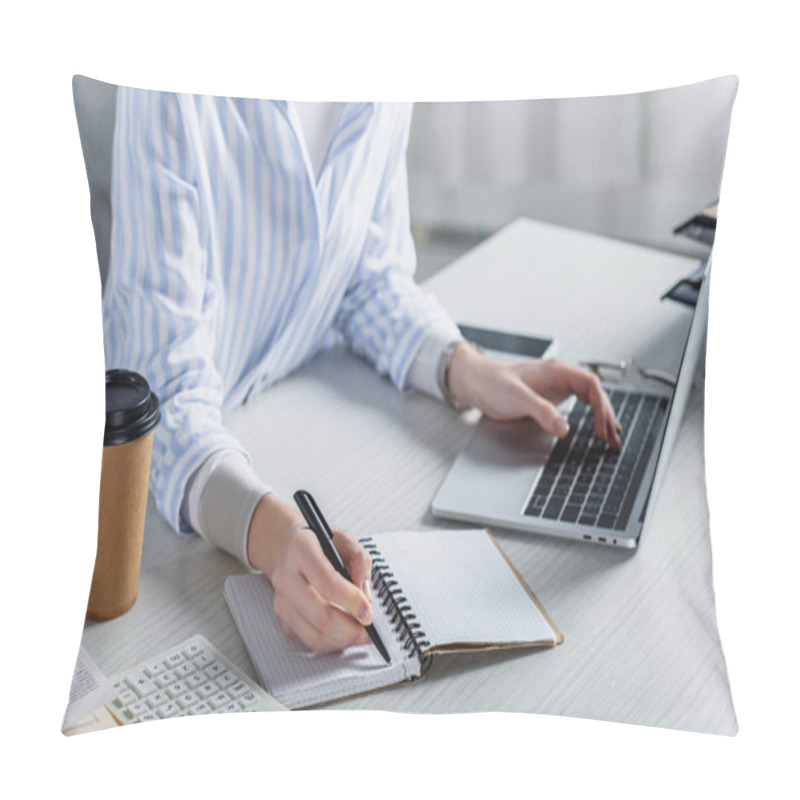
{"x":314,"y":604}
{"x":317,"y":523}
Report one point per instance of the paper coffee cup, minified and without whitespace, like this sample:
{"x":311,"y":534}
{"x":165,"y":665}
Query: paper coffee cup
{"x":132,"y":414}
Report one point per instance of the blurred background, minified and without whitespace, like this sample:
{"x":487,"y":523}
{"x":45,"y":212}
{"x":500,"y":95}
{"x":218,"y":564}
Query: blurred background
{"x":631,"y":166}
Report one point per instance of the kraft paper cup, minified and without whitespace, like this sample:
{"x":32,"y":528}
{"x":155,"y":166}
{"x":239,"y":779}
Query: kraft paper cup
{"x":132,"y":414}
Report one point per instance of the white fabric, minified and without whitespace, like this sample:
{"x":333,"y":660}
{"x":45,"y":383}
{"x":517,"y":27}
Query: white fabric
{"x":319,"y":121}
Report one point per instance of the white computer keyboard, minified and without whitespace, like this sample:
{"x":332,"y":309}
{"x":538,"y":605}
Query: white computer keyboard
{"x":192,"y":678}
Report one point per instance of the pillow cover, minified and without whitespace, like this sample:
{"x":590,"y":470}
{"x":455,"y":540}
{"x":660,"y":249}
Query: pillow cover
{"x":639,"y":627}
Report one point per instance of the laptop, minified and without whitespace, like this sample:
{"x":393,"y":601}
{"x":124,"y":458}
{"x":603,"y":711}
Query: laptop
{"x":515,"y":475}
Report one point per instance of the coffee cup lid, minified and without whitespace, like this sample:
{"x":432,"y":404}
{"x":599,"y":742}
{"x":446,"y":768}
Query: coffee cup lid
{"x":132,"y":410}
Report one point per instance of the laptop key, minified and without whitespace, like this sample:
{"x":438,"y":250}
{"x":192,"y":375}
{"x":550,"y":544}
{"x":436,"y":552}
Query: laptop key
{"x":606,"y":521}
{"x":554,"y":508}
{"x":577,"y":413}
{"x":587,"y":520}
{"x":570,"y":513}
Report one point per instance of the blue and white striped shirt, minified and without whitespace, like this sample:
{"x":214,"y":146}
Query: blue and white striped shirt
{"x":232,"y":264}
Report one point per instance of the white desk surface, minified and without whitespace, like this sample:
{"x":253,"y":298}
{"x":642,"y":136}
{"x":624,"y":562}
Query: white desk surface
{"x":641,"y":643}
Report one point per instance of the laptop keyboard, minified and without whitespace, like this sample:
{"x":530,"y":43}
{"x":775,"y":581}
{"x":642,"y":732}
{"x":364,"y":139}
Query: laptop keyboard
{"x":587,"y":482}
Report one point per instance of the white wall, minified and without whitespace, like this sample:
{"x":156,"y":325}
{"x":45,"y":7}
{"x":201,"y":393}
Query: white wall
{"x":630,"y":166}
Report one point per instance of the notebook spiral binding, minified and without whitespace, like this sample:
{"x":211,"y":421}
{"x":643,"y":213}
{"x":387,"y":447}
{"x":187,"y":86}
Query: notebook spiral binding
{"x":408,"y":630}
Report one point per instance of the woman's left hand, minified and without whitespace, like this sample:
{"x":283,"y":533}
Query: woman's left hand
{"x":529,"y":388}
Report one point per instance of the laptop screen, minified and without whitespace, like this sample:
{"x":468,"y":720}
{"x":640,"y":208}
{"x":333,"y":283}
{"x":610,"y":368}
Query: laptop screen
{"x":694,"y":348}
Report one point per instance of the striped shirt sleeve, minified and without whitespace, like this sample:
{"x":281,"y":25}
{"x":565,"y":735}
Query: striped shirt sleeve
{"x":384,"y":314}
{"x":160,"y":302}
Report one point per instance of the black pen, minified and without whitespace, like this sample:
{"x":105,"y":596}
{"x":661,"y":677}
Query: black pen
{"x":316,"y":522}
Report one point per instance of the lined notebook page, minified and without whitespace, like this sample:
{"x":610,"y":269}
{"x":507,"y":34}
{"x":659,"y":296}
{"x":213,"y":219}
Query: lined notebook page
{"x":293,"y":674}
{"x":462,"y":589}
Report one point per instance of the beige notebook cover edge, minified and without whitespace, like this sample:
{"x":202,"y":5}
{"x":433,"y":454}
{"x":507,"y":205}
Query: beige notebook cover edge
{"x":523,"y":582}
{"x":467,"y":647}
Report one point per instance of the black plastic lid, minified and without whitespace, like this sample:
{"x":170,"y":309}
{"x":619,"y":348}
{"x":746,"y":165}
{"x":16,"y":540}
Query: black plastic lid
{"x":131,"y":408}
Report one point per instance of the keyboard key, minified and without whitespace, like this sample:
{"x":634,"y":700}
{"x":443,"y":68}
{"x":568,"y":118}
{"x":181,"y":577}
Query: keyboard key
{"x":135,"y":676}
{"x":247,"y":699}
{"x":207,"y":689}
{"x":143,"y":687}
{"x":226,"y":679}
{"x":179,"y":687}
{"x":185,"y":670}
{"x":570,"y":513}
{"x":193,"y":649}
{"x":169,"y":709}
{"x":165,"y":679}
{"x":126,"y":698}
{"x":214,"y":668}
{"x":586,"y":519}
{"x":174,"y":659}
{"x":553,"y":508}
{"x":138,"y":708}
{"x":218,"y":700}
{"x":577,"y":413}
{"x":605,"y":521}
{"x":156,"y":699}
{"x":187,"y":699}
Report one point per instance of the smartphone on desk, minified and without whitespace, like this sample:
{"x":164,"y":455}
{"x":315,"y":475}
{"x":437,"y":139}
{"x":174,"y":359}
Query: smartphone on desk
{"x":507,"y":344}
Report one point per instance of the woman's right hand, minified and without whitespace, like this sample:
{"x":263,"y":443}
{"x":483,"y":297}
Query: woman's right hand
{"x":313,"y":602}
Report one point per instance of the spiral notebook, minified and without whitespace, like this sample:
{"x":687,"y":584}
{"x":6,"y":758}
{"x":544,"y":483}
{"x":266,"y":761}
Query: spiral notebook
{"x":434,"y":592}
